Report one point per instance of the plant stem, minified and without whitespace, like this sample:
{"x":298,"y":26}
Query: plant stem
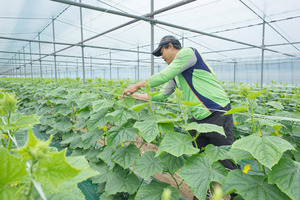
{"x":9,"y":144}
{"x":174,"y":180}
{"x":260,"y":169}
{"x":3,"y":143}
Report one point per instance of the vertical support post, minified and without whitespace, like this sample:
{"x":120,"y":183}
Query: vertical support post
{"x":234,"y":72}
{"x":24,"y":61}
{"x":67,"y":70}
{"x":109,"y":65}
{"x":41,"y":72}
{"x":20,"y":64}
{"x":30,"y":60}
{"x":182,"y":43}
{"x":91,"y":67}
{"x":54,"y":54}
{"x":82,"y":47}
{"x":152,"y":38}
{"x":118,"y":73}
{"x":138,"y":64}
{"x":262,"y":55}
{"x":77,"y":67}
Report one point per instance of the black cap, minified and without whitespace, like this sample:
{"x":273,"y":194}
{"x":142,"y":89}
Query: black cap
{"x":165,"y":40}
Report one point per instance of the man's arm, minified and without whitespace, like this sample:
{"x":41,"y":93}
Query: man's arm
{"x":133,"y":88}
{"x":141,"y":97}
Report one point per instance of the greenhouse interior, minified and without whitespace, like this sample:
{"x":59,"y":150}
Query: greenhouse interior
{"x":89,"y":112}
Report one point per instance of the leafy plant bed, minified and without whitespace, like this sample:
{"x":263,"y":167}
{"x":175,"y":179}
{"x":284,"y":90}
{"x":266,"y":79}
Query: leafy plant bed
{"x":96,"y":124}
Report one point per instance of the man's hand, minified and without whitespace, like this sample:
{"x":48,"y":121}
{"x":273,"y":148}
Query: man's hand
{"x":132,"y":89}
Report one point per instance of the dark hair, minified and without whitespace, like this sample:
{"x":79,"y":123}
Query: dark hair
{"x":176,"y":46}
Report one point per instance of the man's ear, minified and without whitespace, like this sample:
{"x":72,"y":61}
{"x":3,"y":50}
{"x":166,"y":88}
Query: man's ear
{"x":171,"y":45}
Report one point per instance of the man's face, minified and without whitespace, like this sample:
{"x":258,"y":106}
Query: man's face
{"x":167,"y":54}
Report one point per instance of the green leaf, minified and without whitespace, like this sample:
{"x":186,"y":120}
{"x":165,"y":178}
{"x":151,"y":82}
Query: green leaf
{"x":122,"y":116}
{"x":98,"y":119}
{"x":63,"y":124}
{"x":190,"y":104}
{"x":251,"y":186}
{"x":154,"y":191}
{"x":254,"y":95}
{"x":86,"y":99}
{"x":74,"y":139}
{"x":122,"y":181}
{"x":199,"y":171}
{"x":215,"y":153}
{"x":148,"y":165}
{"x":286,"y":175}
{"x":106,"y":154}
{"x":148,"y":129}
{"x":167,"y":120}
{"x":205,"y":128}
{"x":176,"y":144}
{"x":277,"y":105}
{"x":23,"y":121}
{"x":55,"y":169}
{"x":116,"y":135}
{"x":138,"y":107}
{"x":173,"y":163}
{"x":236,"y":110}
{"x":127,"y":102}
{"x":91,"y":137}
{"x":34,"y":148}
{"x":100,"y":104}
{"x":126,"y":156}
{"x":103,"y":169}
{"x":265,"y":122}
{"x":12,"y":169}
{"x":267,"y":149}
{"x":64,"y":110}
{"x":238,"y":154}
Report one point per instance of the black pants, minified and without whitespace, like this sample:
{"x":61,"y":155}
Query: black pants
{"x":215,"y":138}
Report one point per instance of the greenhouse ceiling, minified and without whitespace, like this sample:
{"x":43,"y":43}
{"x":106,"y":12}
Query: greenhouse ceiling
{"x":222,"y":30}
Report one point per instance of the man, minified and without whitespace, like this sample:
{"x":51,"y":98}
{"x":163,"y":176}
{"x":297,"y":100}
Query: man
{"x":195,"y":78}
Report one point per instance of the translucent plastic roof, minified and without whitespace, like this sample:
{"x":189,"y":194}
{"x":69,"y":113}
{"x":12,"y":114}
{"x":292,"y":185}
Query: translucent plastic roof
{"x":231,"y":29}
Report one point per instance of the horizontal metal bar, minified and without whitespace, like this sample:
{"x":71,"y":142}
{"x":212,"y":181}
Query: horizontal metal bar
{"x":87,"y":6}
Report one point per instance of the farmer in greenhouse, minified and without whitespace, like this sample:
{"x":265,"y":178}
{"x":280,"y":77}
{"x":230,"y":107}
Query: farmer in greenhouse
{"x":195,"y":78}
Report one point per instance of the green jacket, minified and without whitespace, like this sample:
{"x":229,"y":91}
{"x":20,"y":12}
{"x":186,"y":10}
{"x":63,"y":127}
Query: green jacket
{"x":192,"y":75}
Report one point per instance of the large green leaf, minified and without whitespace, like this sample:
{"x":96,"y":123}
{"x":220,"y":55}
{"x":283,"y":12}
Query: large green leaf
{"x":173,"y":163}
{"x":148,"y":165}
{"x":122,"y":181}
{"x":236,"y":110}
{"x":277,"y":105}
{"x":254,"y":95}
{"x":105,"y":154}
{"x":267,"y":149}
{"x":98,"y":119}
{"x":286,"y":175}
{"x":63,"y":124}
{"x":91,"y":137}
{"x":138,"y":107}
{"x":205,"y":128}
{"x":265,"y":122}
{"x":217,"y":153}
{"x":103,"y":169}
{"x":238,"y":154}
{"x":23,"y":121}
{"x":126,"y":156}
{"x":176,"y":144}
{"x":154,"y":191}
{"x":64,"y":110}
{"x":251,"y":186}
{"x":55,"y":169}
{"x":100,"y":104}
{"x":199,"y":171}
{"x":122,"y":116}
{"x":86,"y":99}
{"x":74,"y":140}
{"x":12,"y":169}
{"x":127,"y":102}
{"x":148,"y":129}
{"x":116,"y":135}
